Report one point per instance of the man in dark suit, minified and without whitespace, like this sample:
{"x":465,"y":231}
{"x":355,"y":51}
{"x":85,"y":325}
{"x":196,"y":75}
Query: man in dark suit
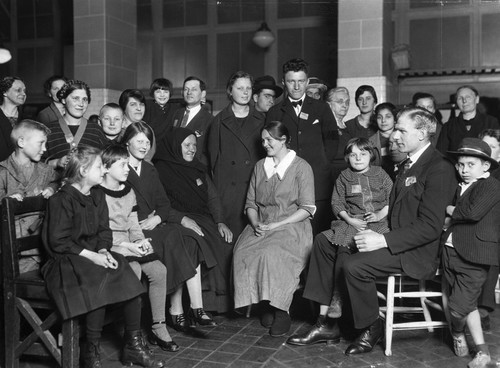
{"x":265,"y":92}
{"x":194,"y":116}
{"x":424,"y":186}
{"x":312,"y":129}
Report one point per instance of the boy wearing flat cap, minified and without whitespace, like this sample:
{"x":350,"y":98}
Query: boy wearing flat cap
{"x":471,"y":241}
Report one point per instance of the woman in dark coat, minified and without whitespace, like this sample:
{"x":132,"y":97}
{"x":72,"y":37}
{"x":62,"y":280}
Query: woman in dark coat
{"x":192,"y":193}
{"x":234,"y":148}
{"x":181,"y":249}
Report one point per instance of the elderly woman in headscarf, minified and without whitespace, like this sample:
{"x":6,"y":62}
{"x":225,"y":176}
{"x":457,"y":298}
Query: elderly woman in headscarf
{"x":193,"y":194}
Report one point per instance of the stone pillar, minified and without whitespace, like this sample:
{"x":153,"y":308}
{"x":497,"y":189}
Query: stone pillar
{"x":364,"y":48}
{"x":105,"y":35}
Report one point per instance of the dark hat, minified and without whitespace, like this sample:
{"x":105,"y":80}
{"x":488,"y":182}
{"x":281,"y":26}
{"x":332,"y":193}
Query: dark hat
{"x":477,"y":148}
{"x":317,"y":83}
{"x":267,"y":82}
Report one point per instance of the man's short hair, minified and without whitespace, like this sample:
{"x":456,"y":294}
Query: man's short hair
{"x":296,"y":65}
{"x":110,"y":105}
{"x":331,"y":92}
{"x":468,"y":86}
{"x":24,"y":126}
{"x":420,"y":95}
{"x":203,"y":86}
{"x":422,"y":118}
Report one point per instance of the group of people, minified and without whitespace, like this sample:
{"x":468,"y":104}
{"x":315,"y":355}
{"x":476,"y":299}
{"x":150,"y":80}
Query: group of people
{"x":233,"y":208}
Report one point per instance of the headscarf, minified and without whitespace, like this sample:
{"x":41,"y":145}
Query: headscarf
{"x":185,"y":181}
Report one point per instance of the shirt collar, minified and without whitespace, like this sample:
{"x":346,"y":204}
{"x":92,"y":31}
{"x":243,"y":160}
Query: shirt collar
{"x":414,"y":158}
{"x":270,"y":168}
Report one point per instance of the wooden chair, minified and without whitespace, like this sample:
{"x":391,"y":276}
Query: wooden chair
{"x":25,"y":293}
{"x":423,"y":293}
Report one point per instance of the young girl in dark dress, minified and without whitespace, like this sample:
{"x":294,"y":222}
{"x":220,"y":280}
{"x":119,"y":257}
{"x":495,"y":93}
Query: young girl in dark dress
{"x":82,"y":275}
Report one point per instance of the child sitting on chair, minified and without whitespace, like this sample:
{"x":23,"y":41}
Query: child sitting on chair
{"x":23,"y":175}
{"x":471,"y":241}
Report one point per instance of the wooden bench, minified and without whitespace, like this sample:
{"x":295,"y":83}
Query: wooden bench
{"x":25,"y":298}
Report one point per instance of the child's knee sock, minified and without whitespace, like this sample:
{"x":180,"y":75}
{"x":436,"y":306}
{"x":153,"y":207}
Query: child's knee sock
{"x":458,"y":322}
{"x":94,"y":323}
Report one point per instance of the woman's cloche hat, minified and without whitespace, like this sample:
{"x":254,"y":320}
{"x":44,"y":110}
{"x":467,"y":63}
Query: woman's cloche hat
{"x":477,"y":148}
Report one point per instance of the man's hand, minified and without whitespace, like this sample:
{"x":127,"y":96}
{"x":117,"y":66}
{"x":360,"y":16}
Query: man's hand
{"x":369,"y":240}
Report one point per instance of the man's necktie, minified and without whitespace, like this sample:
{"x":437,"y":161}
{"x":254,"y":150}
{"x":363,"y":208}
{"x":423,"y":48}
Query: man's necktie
{"x":404,"y":166}
{"x":185,"y":119}
{"x":297,"y":103}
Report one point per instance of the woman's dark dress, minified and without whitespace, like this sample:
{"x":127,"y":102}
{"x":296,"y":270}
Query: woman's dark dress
{"x":77,"y":285}
{"x":180,"y":249}
{"x":193,"y":194}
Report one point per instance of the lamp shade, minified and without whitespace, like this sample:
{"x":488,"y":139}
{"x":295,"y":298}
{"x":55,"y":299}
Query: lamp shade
{"x":263,"y":37}
{"x":4,"y":55}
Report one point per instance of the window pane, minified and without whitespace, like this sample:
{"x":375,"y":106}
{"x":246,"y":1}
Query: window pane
{"x":289,"y":9}
{"x":490,"y":42}
{"x":196,"y":12}
{"x":228,"y":11}
{"x":26,"y":27}
{"x":144,"y":17}
{"x":173,"y":13}
{"x":228,"y":60}
{"x":289,"y":45}
{"x":253,"y":10}
{"x":252,"y":56}
{"x":44,"y":26}
{"x":196,"y":58}
{"x":173,"y":60}
{"x":322,"y":54}
{"x":144,"y":62}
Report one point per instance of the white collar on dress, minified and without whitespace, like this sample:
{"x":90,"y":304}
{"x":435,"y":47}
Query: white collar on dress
{"x":270,"y":168}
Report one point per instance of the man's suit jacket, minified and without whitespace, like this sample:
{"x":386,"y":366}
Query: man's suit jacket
{"x":314,"y":136}
{"x":474,"y":224}
{"x":417,"y":210}
{"x":199,"y":125}
{"x":49,"y":114}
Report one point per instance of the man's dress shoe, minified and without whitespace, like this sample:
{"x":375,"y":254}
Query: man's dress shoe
{"x":368,"y":339}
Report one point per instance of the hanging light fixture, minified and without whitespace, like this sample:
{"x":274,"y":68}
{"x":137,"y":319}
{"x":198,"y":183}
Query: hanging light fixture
{"x":263,"y":37}
{"x":5,"y":55}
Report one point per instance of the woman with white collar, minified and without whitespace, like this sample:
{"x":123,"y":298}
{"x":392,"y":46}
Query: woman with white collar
{"x":272,"y":251}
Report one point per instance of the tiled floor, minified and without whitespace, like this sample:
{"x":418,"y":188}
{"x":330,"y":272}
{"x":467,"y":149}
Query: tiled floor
{"x":242,"y":343}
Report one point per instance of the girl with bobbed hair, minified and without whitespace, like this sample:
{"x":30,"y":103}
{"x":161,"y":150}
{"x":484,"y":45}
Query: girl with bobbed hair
{"x":363,"y":125}
{"x":72,"y":129}
{"x":272,"y":250}
{"x":12,"y":97}
{"x":159,"y":112}
{"x":233,"y":147}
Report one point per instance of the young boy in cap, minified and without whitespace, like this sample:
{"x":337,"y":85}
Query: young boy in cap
{"x":471,"y":242}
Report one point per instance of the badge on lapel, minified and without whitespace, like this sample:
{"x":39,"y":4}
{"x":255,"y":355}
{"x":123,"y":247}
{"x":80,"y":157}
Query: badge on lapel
{"x":199,"y":182}
{"x":304,"y":115}
{"x":410,"y":180}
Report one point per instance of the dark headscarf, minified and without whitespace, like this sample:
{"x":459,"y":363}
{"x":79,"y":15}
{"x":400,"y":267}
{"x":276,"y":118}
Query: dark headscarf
{"x":185,"y":181}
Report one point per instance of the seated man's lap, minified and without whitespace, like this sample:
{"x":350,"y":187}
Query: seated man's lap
{"x":378,"y":263}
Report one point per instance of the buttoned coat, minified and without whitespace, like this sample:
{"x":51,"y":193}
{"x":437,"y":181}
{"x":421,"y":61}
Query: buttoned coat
{"x":233,"y":151}
{"x":314,"y":137}
{"x":474,"y":223}
{"x":417,"y":210}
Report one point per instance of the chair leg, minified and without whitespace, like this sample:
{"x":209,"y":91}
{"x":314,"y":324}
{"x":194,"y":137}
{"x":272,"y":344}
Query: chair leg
{"x":425,"y":308}
{"x":389,"y":315}
{"x":71,"y":345}
{"x":11,"y":331}
{"x":249,"y":310}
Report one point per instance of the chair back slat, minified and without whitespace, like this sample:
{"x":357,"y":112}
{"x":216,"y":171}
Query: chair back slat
{"x":11,"y":245}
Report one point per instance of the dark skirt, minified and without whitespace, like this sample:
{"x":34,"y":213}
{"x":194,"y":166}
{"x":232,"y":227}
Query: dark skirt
{"x":181,"y":251}
{"x":215,"y":281}
{"x":78,"y":286}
